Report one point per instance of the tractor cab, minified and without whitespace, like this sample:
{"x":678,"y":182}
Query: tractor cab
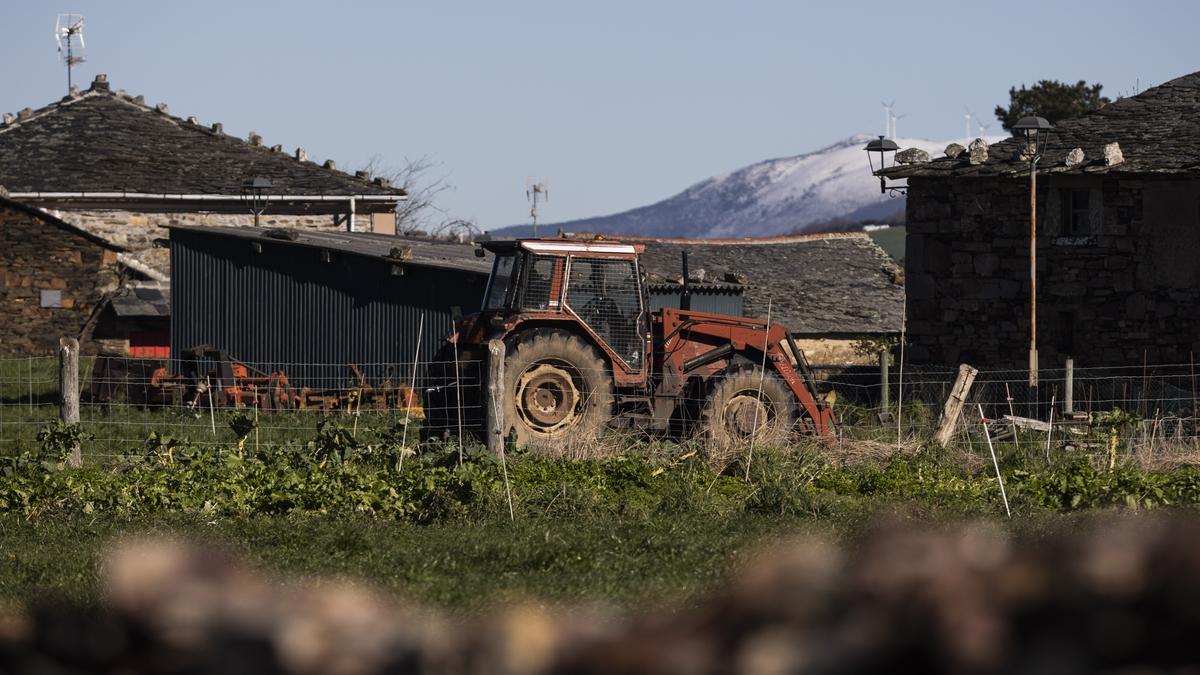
{"x":595,"y":284}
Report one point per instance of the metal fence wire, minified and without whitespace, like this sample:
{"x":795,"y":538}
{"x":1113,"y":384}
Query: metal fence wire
{"x":212,"y":400}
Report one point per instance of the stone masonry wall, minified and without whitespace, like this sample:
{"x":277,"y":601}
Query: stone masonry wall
{"x":1128,"y":291}
{"x":38,"y":256}
{"x":137,"y":231}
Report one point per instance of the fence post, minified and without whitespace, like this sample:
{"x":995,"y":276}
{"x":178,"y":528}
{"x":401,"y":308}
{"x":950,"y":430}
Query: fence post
{"x":885,"y":388}
{"x":68,"y":387}
{"x":494,"y":403}
{"x":1069,"y":403}
{"x":952,"y":411}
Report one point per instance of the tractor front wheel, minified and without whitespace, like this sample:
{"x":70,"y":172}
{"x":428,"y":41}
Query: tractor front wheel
{"x":748,"y":404}
{"x":558,"y":390}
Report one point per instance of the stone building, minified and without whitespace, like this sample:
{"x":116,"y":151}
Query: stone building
{"x":118,"y":167}
{"x":55,"y":278}
{"x":1118,"y":241}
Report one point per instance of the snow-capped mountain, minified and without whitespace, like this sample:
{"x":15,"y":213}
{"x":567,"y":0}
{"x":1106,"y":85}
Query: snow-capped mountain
{"x":773,"y":197}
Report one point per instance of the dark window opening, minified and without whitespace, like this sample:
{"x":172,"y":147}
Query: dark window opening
{"x":1066,"y":333}
{"x":1077,"y":212}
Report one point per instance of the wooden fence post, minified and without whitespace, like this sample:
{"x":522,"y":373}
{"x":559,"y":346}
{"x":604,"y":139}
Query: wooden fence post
{"x":68,"y":387}
{"x":1069,"y":403}
{"x":954,"y":405}
{"x":494,"y":403}
{"x":885,"y":396}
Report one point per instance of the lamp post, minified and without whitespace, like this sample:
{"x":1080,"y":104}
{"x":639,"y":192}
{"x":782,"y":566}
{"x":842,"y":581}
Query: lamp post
{"x":882,"y":146}
{"x":1031,"y":134}
{"x":253,"y":190}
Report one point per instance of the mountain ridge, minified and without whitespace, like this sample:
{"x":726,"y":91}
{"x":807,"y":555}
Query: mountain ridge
{"x":790,"y":194}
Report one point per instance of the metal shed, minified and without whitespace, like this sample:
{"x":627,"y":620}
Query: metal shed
{"x":714,"y":298}
{"x":289,"y":299}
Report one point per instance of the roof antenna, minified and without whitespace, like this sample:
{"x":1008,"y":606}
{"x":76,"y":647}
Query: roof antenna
{"x":68,"y":34}
{"x":536,"y":191}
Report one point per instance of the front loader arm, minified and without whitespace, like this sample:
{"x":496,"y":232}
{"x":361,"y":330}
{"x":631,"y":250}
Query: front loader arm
{"x":730,"y":334}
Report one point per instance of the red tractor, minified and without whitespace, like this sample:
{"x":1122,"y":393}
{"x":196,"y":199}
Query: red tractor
{"x":583,"y":351}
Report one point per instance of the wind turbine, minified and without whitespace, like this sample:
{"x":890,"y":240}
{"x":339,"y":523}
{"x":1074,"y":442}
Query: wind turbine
{"x":968,"y":116}
{"x":887,"y":117}
{"x":896,"y":134}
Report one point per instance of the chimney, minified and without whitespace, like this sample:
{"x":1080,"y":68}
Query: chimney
{"x":302,"y":154}
{"x":100,"y":83}
{"x":330,"y":164}
{"x":162,"y":108}
{"x":254,"y":138}
{"x":218,"y":128}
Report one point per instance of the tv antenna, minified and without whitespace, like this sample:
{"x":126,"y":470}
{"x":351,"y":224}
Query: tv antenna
{"x":535,"y":192}
{"x":888,"y":118}
{"x":68,"y":34}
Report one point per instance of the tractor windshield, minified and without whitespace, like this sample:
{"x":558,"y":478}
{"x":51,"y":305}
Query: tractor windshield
{"x":500,"y":281}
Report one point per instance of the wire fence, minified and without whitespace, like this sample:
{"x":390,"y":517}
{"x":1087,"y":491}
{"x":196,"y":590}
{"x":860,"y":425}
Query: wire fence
{"x":1142,"y":413}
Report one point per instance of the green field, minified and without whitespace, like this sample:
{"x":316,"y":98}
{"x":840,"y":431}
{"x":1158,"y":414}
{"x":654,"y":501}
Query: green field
{"x":657,"y":527}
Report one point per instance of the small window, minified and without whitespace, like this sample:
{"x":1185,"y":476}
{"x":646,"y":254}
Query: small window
{"x":51,"y":298}
{"x":1077,"y":212}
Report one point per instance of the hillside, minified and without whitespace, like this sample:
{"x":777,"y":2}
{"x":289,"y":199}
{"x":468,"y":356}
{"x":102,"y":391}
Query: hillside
{"x":773,"y":197}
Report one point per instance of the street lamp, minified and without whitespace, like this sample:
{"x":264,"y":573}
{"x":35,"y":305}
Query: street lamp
{"x":1032,"y":134}
{"x":882,"y":145}
{"x":253,"y":190}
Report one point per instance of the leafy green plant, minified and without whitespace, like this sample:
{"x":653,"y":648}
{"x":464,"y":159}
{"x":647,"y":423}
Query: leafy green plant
{"x":58,"y":440}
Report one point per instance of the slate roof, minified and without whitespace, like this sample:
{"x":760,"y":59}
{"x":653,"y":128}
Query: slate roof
{"x":404,"y":250}
{"x":1158,"y":131}
{"x":143,"y":299}
{"x":103,"y":141}
{"x":59,"y":223}
{"x":819,"y":285}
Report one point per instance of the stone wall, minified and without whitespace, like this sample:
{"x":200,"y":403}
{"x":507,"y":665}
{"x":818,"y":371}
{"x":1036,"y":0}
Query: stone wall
{"x":1127,"y":291}
{"x":39,"y":256}
{"x":137,"y":231}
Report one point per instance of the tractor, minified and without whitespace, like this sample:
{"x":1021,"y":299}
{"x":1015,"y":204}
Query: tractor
{"x":583,"y":351}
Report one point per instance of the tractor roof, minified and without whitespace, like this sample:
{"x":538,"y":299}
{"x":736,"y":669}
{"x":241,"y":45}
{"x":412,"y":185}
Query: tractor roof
{"x":558,"y":245}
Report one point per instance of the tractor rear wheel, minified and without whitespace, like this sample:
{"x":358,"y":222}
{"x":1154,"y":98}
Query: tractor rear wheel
{"x":557,"y":389}
{"x":747,"y":404}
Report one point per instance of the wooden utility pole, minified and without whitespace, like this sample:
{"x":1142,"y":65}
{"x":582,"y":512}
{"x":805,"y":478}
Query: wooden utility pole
{"x":952,"y":411}
{"x":68,"y":387}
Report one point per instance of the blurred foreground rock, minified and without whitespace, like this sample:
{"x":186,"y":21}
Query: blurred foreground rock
{"x":1118,"y":594}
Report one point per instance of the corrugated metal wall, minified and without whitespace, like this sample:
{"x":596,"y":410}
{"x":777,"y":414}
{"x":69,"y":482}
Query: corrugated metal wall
{"x":284,"y":308}
{"x":716,"y":301}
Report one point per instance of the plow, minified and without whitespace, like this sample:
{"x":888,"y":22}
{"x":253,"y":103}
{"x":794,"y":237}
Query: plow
{"x":209,"y":377}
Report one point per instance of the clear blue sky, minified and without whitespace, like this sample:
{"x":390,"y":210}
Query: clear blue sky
{"x":618,"y":103}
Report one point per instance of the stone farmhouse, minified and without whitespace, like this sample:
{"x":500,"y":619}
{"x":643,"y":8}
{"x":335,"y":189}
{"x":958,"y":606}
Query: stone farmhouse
{"x":91,"y":180}
{"x":1118,"y":241}
{"x":56,"y":280}
{"x":118,"y":167}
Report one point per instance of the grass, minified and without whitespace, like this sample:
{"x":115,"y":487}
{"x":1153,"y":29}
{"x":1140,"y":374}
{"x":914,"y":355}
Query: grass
{"x":462,"y":565}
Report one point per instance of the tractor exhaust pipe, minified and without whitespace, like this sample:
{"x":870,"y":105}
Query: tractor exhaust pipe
{"x":685,"y":296}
